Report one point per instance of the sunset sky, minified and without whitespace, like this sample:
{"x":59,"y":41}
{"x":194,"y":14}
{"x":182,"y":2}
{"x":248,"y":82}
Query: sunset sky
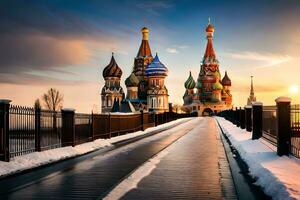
{"x":66,"y":44}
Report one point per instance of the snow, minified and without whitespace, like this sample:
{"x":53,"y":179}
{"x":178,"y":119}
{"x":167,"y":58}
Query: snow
{"x":278,"y":176}
{"x":36,"y":159}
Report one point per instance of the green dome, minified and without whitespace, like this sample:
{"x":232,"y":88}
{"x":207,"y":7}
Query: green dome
{"x":132,"y":81}
{"x":190,"y":83}
{"x":217,"y":86}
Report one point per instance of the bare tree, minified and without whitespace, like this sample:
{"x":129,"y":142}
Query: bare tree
{"x":37,"y":104}
{"x":53,"y":99}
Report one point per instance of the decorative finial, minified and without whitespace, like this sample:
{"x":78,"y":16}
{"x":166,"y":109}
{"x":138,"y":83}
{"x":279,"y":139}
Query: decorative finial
{"x":156,"y":53}
{"x":208,"y":20}
{"x":112,"y":53}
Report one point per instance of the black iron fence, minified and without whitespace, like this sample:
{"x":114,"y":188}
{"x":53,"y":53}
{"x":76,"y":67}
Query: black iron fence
{"x":24,"y":129}
{"x":269,"y":124}
{"x":295,"y":130}
{"x":279,"y":124}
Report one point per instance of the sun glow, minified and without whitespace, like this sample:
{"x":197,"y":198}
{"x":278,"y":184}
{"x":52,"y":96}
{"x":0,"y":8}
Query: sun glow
{"x":294,"y":89}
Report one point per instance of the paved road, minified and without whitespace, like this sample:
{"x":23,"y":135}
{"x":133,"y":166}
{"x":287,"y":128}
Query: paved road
{"x":195,"y":167}
{"x":95,"y":175}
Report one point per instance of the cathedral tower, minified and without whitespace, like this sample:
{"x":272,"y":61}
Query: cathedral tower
{"x":212,"y":94}
{"x":143,"y":58}
{"x":157,"y":93}
{"x":111,"y":91}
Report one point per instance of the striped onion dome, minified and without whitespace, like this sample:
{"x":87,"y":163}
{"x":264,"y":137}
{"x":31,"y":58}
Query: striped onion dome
{"x":156,"y":68}
{"x":226,"y":80}
{"x":190,"y":82}
{"x":112,"y":69}
{"x":132,"y":80}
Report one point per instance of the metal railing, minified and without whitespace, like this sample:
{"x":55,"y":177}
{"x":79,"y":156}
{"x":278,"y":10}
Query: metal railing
{"x":269,"y":124}
{"x":295,"y":130}
{"x":33,"y":130}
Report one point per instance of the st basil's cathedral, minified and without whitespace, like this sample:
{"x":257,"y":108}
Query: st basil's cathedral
{"x":145,"y":85}
{"x":210,"y":94}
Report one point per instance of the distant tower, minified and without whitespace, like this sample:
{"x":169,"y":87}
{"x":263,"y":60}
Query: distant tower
{"x":226,"y":95}
{"x":157,"y":93}
{"x":209,"y":80}
{"x":112,"y":91}
{"x":143,"y":58}
{"x":252,"y":97}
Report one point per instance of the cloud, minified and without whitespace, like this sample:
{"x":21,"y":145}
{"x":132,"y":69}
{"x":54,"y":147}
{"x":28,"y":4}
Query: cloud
{"x":172,"y":50}
{"x":267,"y":59}
{"x":154,"y":7}
{"x":25,"y":53}
{"x":181,"y":46}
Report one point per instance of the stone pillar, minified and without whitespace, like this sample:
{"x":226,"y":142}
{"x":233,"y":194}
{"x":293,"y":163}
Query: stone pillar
{"x":68,"y":127}
{"x":283,"y":125}
{"x":248,"y":118}
{"x":4,"y":129}
{"x":257,"y":120}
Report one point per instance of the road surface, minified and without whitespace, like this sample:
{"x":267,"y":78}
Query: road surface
{"x":194,"y":167}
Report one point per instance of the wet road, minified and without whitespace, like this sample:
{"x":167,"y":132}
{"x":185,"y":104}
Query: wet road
{"x":195,"y":167}
{"x":95,"y":175}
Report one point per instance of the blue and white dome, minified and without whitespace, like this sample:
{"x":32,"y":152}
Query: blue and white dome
{"x":156,"y":68}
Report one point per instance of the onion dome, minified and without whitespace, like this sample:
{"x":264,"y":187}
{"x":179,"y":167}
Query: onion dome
{"x":156,"y":68}
{"x":217,"y":86}
{"x":210,"y":28}
{"x":190,"y":82}
{"x":226,"y":80}
{"x":132,"y":81}
{"x":112,"y":69}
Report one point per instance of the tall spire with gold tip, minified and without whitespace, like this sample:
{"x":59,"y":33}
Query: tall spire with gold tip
{"x":251,"y":97}
{"x":143,"y":58}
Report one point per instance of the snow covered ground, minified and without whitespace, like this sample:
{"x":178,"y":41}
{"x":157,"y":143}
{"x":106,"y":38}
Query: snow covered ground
{"x":279,"y":177}
{"x":36,"y":159}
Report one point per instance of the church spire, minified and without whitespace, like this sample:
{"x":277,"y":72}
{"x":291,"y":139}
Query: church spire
{"x":252,"y":89}
{"x":209,"y":52}
{"x":144,"y":50}
{"x":252,"y":97}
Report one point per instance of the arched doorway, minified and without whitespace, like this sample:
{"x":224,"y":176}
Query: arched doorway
{"x":207,"y":112}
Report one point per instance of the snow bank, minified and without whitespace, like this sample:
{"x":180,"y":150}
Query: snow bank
{"x":36,"y":159}
{"x":278,"y":176}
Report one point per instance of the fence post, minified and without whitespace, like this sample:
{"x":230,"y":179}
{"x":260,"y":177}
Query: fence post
{"x":238,"y":122}
{"x":37,"y":129}
{"x":4,"y":129}
{"x":242,"y":118}
{"x":257,"y":120}
{"x":142,"y":120}
{"x":248,"y":120}
{"x":283,"y":125}
{"x":68,"y":127}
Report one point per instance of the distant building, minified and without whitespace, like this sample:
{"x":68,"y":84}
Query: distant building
{"x":251,"y":97}
{"x":111,"y":91}
{"x":210,"y":94}
{"x":157,"y":93}
{"x":145,"y":85}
